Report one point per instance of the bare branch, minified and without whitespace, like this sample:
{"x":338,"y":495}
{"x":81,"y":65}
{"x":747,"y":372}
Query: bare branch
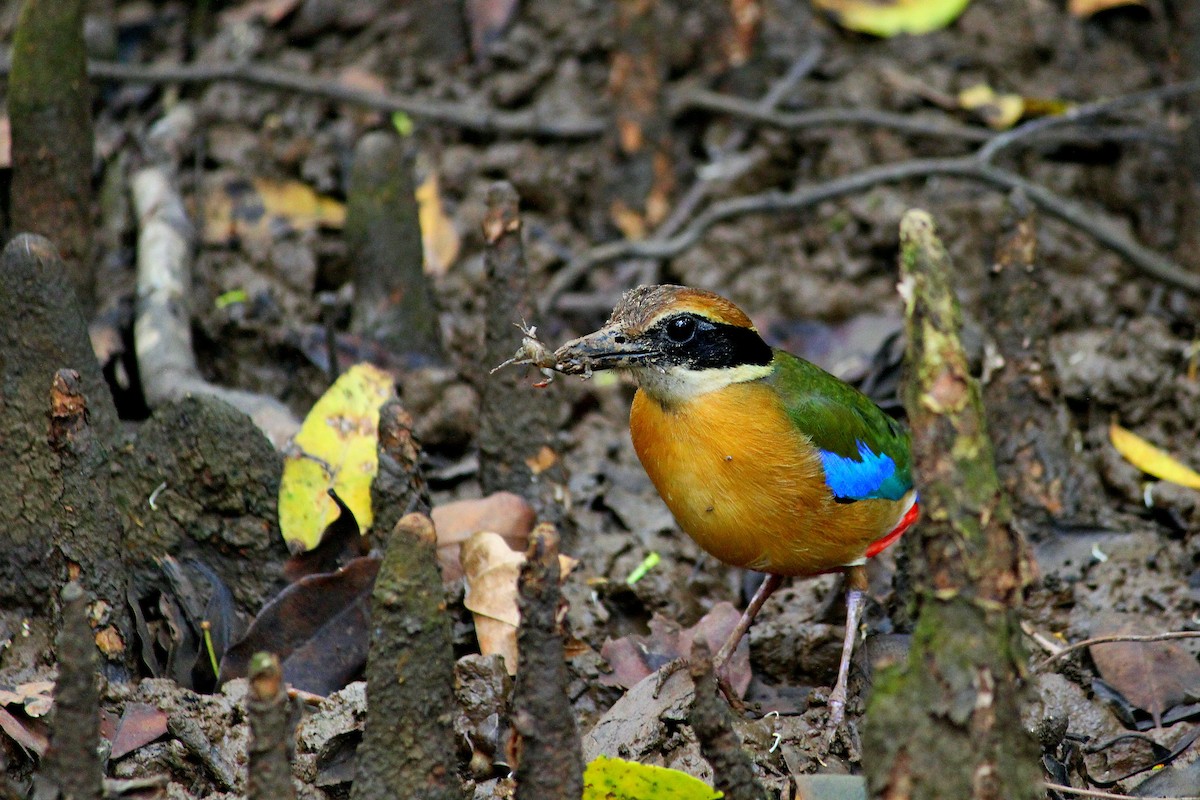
{"x":1116,"y":637}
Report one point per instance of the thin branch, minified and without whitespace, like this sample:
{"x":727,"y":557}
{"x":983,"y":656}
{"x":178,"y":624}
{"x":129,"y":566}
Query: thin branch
{"x":1081,"y":113}
{"x":1059,"y":787}
{"x":818,"y":117}
{"x":969,"y":167}
{"x":470,"y":117}
{"x":707,"y":181}
{"x":1151,"y":637}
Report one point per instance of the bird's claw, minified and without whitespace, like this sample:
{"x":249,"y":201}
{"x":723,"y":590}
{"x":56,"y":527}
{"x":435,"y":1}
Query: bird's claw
{"x":723,"y":685}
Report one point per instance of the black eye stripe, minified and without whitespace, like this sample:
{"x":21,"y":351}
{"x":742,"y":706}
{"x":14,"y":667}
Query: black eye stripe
{"x":709,"y":345}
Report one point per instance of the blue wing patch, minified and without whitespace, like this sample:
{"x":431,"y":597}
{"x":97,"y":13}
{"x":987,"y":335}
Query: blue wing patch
{"x":861,"y":478}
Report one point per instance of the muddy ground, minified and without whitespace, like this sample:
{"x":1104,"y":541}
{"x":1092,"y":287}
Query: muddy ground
{"x":822,"y":281}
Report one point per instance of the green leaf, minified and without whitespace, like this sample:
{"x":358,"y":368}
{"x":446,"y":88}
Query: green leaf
{"x":614,"y":779}
{"x":887,"y":18}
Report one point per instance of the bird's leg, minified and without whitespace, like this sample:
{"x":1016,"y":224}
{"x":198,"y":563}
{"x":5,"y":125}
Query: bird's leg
{"x":765,"y":590}
{"x":856,"y":588}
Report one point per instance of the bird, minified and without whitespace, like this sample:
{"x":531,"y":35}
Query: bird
{"x":766,"y":460}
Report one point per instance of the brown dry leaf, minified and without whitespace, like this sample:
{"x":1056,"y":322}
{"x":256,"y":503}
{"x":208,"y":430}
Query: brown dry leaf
{"x":109,"y":641}
{"x":491,"y":570}
{"x":1086,"y":8}
{"x":1154,"y":676}
{"x":634,"y":657}
{"x":36,"y":697}
{"x":319,"y":626}
{"x":29,"y":739}
{"x":439,"y":237}
{"x":628,"y":221}
{"x":543,"y":460}
{"x":140,"y":725}
{"x":503,"y":512}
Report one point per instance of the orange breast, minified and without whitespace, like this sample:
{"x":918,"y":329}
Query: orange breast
{"x":749,"y":487}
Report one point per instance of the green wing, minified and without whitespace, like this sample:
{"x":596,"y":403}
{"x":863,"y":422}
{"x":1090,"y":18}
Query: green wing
{"x":864,"y":451}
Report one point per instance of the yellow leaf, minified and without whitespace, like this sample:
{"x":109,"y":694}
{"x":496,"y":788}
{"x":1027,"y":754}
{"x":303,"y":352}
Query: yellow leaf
{"x":299,"y":204}
{"x":263,"y":208}
{"x":614,"y":779}
{"x":999,"y":111}
{"x":886,"y":18}
{"x":335,"y":448}
{"x":1150,"y":459}
{"x":1086,"y":8}
{"x":438,"y":234}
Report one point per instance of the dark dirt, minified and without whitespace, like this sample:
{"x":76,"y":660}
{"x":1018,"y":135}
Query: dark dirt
{"x":1121,"y":345}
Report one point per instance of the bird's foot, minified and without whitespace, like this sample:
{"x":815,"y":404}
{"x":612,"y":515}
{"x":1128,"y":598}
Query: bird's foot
{"x":723,"y":685}
{"x":837,"y":729}
{"x":665,"y":672}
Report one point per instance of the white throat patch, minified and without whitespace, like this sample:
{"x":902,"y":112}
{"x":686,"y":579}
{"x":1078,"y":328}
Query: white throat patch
{"x":675,"y":384}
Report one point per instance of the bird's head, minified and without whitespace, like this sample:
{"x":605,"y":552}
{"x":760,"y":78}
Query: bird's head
{"x":678,"y":342}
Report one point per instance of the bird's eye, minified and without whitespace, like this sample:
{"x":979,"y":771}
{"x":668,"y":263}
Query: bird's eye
{"x":681,"y":329}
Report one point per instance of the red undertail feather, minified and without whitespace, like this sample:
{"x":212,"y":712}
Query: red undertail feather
{"x":910,"y":517}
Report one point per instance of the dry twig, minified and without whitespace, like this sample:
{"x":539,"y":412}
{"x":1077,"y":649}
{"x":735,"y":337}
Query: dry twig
{"x":1116,"y":637}
{"x":977,"y":167}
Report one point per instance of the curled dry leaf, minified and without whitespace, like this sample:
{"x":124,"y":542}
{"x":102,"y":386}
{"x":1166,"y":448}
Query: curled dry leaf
{"x":504,"y":513}
{"x":35,"y":697}
{"x":439,"y":237}
{"x":491,"y":569}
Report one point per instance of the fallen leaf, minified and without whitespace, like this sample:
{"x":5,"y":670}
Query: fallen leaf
{"x":31,"y":740}
{"x":886,"y":18}
{"x":1086,"y":8}
{"x":491,"y":569}
{"x":335,"y":449}
{"x":1150,"y":459}
{"x":544,"y":459}
{"x":140,"y":725}
{"x":635,"y":656}
{"x":264,"y":209}
{"x":615,"y":779}
{"x":109,"y":641}
{"x":504,"y":513}
{"x":35,"y":697}
{"x":319,"y":626}
{"x":1154,"y":676}
{"x":340,"y":543}
{"x":999,"y":111}
{"x":439,"y":237}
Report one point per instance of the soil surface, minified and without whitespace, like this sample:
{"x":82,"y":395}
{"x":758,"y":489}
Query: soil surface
{"x":1121,"y":346}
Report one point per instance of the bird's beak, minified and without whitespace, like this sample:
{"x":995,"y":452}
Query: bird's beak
{"x":607,"y":348}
